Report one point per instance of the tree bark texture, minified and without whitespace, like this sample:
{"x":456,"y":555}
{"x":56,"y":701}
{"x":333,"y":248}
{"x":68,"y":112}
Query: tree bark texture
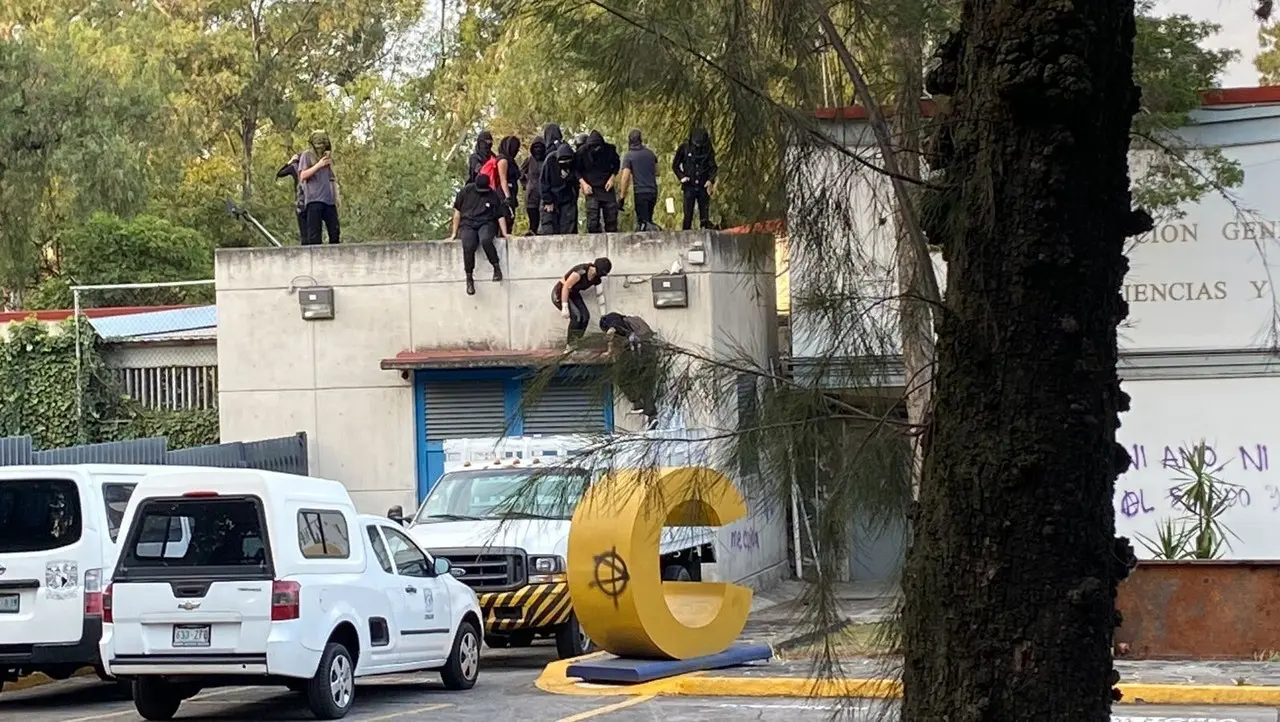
{"x":914,"y":311}
{"x":1011,"y":575}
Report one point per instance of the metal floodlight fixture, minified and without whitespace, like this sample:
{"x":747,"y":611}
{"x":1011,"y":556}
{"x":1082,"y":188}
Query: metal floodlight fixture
{"x":316,"y":303}
{"x":670,"y":290}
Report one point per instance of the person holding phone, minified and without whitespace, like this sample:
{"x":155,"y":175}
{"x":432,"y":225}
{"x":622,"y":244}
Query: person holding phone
{"x":319,"y":190}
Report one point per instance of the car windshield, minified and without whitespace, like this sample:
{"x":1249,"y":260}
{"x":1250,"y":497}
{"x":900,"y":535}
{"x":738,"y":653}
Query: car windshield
{"x":38,"y":514}
{"x":504,"y":494}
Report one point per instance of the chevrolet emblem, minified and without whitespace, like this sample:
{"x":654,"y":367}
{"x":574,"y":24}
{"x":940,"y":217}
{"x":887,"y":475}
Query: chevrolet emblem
{"x":188,"y":606}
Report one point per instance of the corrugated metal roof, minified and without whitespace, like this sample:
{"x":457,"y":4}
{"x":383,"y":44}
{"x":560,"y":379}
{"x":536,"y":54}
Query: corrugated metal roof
{"x":178,"y":322}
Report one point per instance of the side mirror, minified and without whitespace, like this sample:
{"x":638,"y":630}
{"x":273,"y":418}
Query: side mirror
{"x":396,"y":514}
{"x":443,"y":567}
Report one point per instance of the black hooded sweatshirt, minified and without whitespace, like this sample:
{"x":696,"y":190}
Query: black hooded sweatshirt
{"x":559,"y":180}
{"x":598,"y":160}
{"x":509,"y":148}
{"x":552,"y":136}
{"x":484,"y":151}
{"x":532,"y":171}
{"x":696,"y":159}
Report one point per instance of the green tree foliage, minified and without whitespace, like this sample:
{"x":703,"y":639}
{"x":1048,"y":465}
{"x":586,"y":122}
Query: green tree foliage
{"x":145,"y":249}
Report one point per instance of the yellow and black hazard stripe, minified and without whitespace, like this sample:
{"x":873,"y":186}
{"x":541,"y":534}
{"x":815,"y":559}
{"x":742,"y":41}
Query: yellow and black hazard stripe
{"x":534,"y":606}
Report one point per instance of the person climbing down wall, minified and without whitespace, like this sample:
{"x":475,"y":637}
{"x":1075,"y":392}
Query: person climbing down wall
{"x":479,"y":214}
{"x":566,"y":296}
{"x":695,"y":166}
{"x":638,"y":369}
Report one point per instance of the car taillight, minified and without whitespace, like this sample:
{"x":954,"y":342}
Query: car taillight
{"x":93,"y":592}
{"x":285,"y":601}
{"x":104,"y":604}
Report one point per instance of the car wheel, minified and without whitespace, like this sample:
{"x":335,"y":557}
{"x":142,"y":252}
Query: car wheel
{"x":571,"y":641}
{"x":333,"y":689}
{"x":496,"y":642}
{"x":676,"y":573}
{"x":522,"y":639}
{"x":156,"y":699}
{"x":463,"y":667}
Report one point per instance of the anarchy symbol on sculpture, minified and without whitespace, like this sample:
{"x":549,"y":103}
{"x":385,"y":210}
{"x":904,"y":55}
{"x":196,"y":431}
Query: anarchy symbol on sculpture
{"x":611,"y":575}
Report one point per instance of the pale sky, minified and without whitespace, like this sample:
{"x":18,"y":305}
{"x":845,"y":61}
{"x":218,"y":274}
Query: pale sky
{"x":1239,"y":31}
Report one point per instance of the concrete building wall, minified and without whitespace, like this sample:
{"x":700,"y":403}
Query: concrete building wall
{"x":279,"y":374}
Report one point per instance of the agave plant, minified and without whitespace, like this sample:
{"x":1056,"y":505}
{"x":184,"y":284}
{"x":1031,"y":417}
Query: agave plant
{"x":1203,"y":497}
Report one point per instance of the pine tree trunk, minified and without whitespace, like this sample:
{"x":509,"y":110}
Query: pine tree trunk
{"x":1010,"y":579}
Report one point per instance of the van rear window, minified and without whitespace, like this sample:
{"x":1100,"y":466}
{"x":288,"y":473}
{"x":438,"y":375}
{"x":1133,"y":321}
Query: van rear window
{"x":38,"y":514}
{"x":199,"y":533}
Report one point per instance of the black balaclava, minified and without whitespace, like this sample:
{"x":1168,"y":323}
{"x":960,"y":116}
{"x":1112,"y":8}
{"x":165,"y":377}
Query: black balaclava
{"x":700,"y":139}
{"x":635,"y":139}
{"x":564,"y":156}
{"x":484,"y":144}
{"x":538,"y":149}
{"x":482,"y":182}
{"x":551,"y":134}
{"x":509,"y":147}
{"x":595,"y":139}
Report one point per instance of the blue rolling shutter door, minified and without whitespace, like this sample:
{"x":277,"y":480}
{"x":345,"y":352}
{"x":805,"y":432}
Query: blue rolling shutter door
{"x":567,"y":407}
{"x":464,"y":409}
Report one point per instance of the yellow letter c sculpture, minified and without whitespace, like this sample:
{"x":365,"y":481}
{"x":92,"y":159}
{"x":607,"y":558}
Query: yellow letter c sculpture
{"x":615,"y":575}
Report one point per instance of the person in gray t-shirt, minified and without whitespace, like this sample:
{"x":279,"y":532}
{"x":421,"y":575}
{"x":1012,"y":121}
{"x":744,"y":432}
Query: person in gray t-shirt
{"x":640,"y":168}
{"x":319,"y":190}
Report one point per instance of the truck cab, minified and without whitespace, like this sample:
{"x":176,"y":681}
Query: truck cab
{"x":501,"y":514}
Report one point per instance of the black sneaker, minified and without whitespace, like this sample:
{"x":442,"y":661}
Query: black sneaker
{"x":471,"y":286}
{"x":497,"y":273}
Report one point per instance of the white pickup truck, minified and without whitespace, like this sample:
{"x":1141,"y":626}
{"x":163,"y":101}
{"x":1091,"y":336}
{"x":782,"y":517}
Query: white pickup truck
{"x":508,"y":541}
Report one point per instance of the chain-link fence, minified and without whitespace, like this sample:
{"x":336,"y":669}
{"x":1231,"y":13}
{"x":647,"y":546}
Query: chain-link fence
{"x":146,"y":357}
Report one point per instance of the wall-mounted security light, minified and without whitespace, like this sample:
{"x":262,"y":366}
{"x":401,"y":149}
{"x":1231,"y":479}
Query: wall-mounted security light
{"x":697,"y":255}
{"x":316,"y":303}
{"x":670,"y":290}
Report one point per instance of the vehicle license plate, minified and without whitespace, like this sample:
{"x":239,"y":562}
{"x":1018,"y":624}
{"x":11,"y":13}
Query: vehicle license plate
{"x":9,"y":603}
{"x":191,"y":635}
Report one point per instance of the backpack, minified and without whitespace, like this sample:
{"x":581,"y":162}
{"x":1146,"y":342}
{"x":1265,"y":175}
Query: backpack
{"x":490,"y":168}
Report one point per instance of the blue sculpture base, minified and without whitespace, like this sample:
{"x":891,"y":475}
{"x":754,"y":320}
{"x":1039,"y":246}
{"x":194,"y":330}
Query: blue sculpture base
{"x":618,"y":670}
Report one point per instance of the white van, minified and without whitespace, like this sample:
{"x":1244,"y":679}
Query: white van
{"x":58,"y":527}
{"x":280,"y":583}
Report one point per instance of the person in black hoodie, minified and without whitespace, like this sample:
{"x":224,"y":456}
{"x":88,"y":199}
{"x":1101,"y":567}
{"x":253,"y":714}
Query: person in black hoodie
{"x":558,"y":191}
{"x":599,"y":164}
{"x":509,"y":173}
{"x":552,"y":136}
{"x":479,"y":214}
{"x":290,"y":169}
{"x":484,"y":151}
{"x":531,"y":171}
{"x":695,"y":166}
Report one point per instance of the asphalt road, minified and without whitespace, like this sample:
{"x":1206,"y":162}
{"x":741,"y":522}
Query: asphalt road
{"x":505,"y":692}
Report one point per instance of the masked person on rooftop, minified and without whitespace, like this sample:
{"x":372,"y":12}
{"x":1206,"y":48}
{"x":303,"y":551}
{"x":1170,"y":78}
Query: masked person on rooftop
{"x":482,"y":155}
{"x":319,"y":190}
{"x":558,"y":192}
{"x":640,"y":170}
{"x":599,"y":163}
{"x":290,"y":170}
{"x":531,"y":171}
{"x":479,"y":214}
{"x":509,"y":173}
{"x":566,"y":296}
{"x":695,"y":166}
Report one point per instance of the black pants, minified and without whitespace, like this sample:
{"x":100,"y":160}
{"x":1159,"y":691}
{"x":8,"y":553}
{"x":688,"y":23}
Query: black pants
{"x":602,"y":204}
{"x":697,"y":195}
{"x":302,"y":226}
{"x":535,"y":218}
{"x":563,"y":220}
{"x":473,"y":238}
{"x":645,"y":204}
{"x":318,"y":213}
{"x":579,"y":316}
{"x":638,"y":377}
